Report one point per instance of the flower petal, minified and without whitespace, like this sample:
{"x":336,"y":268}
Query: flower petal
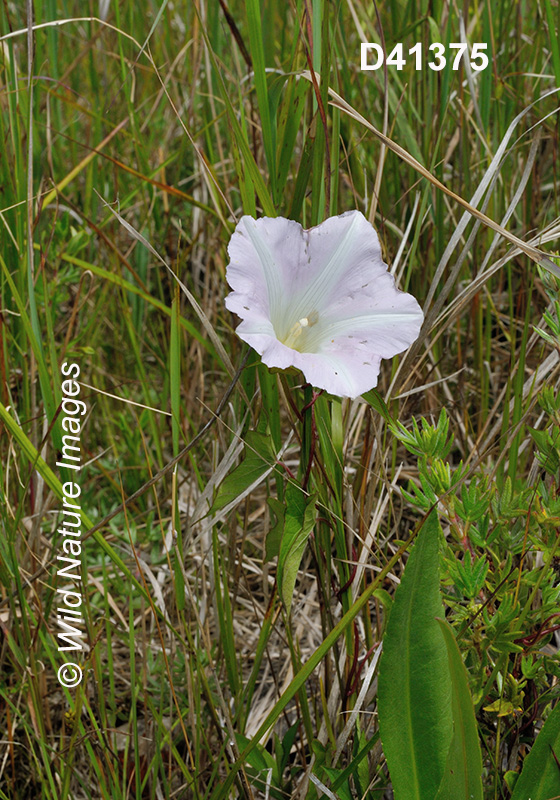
{"x":345,"y":373}
{"x":259,"y":252}
{"x":385,"y":330}
{"x":320,"y":300}
{"x":340,"y":249}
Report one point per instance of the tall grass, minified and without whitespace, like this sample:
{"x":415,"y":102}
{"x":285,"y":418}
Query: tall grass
{"x":138,"y":141}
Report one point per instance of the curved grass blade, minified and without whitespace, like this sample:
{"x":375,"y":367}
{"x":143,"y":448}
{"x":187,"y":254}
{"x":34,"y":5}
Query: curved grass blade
{"x":55,"y":486}
{"x":534,"y":253}
{"x":118,"y":280}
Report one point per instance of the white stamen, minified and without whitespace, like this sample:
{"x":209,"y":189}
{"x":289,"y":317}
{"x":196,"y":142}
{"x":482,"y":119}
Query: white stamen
{"x":297,"y":329}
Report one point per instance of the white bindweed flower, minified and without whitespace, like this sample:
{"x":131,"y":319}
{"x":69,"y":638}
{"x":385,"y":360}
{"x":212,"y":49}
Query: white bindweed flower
{"x":320,"y":300}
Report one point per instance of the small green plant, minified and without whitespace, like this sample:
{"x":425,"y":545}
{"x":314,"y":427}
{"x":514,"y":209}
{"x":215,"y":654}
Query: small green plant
{"x":503,"y":609}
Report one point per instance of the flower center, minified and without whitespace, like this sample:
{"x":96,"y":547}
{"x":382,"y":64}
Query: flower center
{"x":294,"y":338}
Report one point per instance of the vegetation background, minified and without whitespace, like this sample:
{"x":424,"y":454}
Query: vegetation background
{"x":133,"y":137}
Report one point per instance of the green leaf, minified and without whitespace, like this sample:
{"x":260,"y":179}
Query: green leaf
{"x":510,"y":779}
{"x":361,"y":774}
{"x":37,"y":347}
{"x":386,"y":601}
{"x":274,"y":535}
{"x":462,"y":778}
{"x":283,"y":750}
{"x":259,"y":456}
{"x":378,"y":404}
{"x":343,"y":791}
{"x":548,"y":449}
{"x":298,"y":524}
{"x":259,"y":758}
{"x":540,"y":776}
{"x":470,"y":575}
{"x":415,"y":718}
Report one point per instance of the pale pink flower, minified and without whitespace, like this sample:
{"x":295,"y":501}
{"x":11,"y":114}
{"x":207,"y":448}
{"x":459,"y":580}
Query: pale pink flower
{"x":320,"y":300}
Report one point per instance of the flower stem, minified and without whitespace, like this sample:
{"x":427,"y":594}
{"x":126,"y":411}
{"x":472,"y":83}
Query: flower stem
{"x":309,"y":439}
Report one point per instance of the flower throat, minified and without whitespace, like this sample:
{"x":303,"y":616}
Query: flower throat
{"x":294,"y":337}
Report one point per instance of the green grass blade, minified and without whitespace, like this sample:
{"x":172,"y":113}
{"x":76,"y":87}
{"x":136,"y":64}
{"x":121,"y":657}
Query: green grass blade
{"x":241,"y":141}
{"x":54,"y":484}
{"x":175,"y":370}
{"x":44,"y":380}
{"x":553,"y":40}
{"x":118,"y":280}
{"x":257,"y":52}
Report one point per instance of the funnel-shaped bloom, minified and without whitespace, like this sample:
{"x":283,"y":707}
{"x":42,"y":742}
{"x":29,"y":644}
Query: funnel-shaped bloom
{"x":320,"y":300}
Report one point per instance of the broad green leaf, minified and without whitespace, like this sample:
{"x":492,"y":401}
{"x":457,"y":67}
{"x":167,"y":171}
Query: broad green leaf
{"x":298,"y":523}
{"x":259,"y":758}
{"x":462,"y":778}
{"x":415,"y":718}
{"x":510,"y":779}
{"x":540,"y":776}
{"x":378,"y":404}
{"x":274,"y":535}
{"x":259,"y":456}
